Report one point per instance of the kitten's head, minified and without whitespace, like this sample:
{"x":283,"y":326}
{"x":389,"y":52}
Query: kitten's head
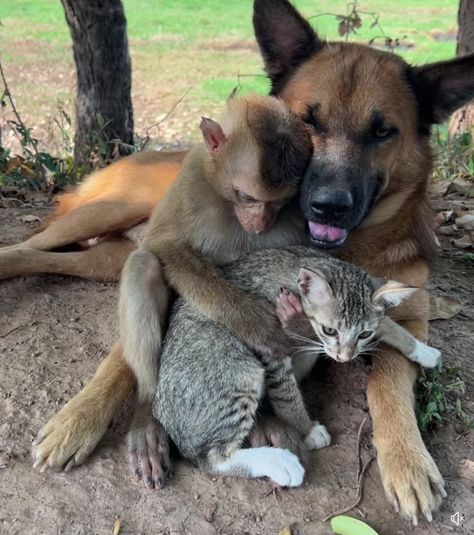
{"x":346,"y":305}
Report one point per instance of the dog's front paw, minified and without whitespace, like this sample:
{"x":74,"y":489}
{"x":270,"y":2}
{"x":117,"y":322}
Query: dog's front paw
{"x":425,"y":355}
{"x":69,"y":437}
{"x":412,"y":481}
{"x":317,"y":438}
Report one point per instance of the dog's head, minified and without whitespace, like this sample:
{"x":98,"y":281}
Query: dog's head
{"x":370,"y":115}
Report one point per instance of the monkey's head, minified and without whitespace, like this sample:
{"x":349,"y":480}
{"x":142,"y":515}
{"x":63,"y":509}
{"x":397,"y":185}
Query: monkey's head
{"x":259,"y":154}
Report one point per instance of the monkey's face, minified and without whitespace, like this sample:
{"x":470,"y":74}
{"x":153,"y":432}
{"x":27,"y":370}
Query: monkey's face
{"x":259,"y":158}
{"x":255,"y":216}
{"x":255,"y":206}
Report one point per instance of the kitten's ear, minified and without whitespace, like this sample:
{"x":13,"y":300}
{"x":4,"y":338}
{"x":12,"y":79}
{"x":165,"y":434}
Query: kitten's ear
{"x":314,"y":286}
{"x":212,"y":134}
{"x":391,"y":293}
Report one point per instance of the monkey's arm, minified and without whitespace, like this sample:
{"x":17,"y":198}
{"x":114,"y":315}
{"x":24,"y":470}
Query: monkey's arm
{"x":202,"y":284}
{"x":399,"y":338}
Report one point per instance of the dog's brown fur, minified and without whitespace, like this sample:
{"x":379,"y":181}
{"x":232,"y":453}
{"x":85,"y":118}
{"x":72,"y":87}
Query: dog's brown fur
{"x":341,"y":83}
{"x":107,"y":205}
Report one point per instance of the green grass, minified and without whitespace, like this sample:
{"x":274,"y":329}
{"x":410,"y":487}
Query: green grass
{"x":203,"y":44}
{"x":195,"y":20}
{"x":440,"y":396}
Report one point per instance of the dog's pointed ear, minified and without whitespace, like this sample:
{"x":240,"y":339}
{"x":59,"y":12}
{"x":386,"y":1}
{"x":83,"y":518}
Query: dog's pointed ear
{"x":285,"y":38}
{"x":441,"y":88}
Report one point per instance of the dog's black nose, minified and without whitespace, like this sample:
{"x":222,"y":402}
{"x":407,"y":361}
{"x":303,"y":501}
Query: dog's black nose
{"x":331,"y":204}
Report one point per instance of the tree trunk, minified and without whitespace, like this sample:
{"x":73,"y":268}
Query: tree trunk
{"x":104,"y":114}
{"x":463,"y":120}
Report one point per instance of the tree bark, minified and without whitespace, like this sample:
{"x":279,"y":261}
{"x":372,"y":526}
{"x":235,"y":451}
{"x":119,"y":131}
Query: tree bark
{"x":104,"y":114}
{"x":462,"y":121}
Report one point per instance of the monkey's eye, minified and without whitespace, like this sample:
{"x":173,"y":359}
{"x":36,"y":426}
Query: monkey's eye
{"x":365,"y":334}
{"x":245,"y":198}
{"x":329,"y":332}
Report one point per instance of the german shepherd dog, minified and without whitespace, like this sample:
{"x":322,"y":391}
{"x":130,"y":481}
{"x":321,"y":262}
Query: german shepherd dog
{"x":364,"y":196}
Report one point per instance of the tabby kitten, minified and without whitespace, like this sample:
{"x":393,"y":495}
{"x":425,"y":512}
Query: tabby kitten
{"x":210,"y":385}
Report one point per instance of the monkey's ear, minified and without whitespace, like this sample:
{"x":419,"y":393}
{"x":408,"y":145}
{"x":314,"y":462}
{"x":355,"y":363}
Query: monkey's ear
{"x":391,"y":293}
{"x":314,"y":286}
{"x":212,"y":134}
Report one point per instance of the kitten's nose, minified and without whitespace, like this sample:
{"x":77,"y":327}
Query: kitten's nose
{"x":345,"y":355}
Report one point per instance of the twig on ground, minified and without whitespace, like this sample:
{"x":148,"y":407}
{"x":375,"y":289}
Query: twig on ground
{"x":210,"y":513}
{"x":361,"y":470}
{"x":7,"y":94}
{"x":157,"y":124}
{"x":12,"y":331}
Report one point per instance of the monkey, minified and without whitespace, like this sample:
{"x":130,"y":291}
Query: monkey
{"x":235,"y":194}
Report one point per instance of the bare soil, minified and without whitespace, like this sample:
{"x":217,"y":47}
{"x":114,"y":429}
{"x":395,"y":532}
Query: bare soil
{"x":53,"y":333}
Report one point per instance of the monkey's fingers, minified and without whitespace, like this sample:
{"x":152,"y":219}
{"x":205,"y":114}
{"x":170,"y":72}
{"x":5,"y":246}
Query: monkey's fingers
{"x":288,"y":306}
{"x":149,"y":454}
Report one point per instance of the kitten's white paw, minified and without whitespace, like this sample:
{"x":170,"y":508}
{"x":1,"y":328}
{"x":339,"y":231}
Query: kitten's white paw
{"x":426,"y":356}
{"x":278,"y":464}
{"x":284,"y":468}
{"x":318,"y":437}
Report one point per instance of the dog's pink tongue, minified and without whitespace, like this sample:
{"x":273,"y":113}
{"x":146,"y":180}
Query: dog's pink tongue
{"x":326,"y":232}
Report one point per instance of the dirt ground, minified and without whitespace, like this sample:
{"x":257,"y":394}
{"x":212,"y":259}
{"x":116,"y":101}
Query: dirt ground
{"x":53,"y":333}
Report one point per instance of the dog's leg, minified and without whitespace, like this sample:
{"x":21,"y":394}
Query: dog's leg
{"x":410,"y":477}
{"x":102,"y":262}
{"x":71,"y":435}
{"x":87,"y":221}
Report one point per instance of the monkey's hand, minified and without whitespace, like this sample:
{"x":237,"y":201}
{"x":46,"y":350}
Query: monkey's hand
{"x":248,"y":318}
{"x":268,"y":338}
{"x":148,"y":449}
{"x":272,"y":431}
{"x":288,"y":307}
{"x":292,"y":317}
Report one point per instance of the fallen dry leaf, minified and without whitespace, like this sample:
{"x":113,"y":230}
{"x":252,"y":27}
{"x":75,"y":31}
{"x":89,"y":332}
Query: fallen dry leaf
{"x":439,"y":187}
{"x":36,"y":196}
{"x":448,"y":230}
{"x":6,"y":460}
{"x":29,"y":218}
{"x":117,"y":525}
{"x":444,"y":217}
{"x":466,"y":242}
{"x":466,"y":221}
{"x":461,"y":188}
{"x":443,"y":308}
{"x":466,"y":470}
{"x":210,"y":514}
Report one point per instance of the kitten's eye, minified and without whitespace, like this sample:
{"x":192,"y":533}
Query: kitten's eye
{"x":329,"y":332}
{"x":365,"y":334}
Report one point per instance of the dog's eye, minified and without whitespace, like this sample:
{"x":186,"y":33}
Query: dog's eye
{"x":312,"y":121}
{"x":329,"y":332}
{"x":383,"y":131}
{"x":365,"y":334}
